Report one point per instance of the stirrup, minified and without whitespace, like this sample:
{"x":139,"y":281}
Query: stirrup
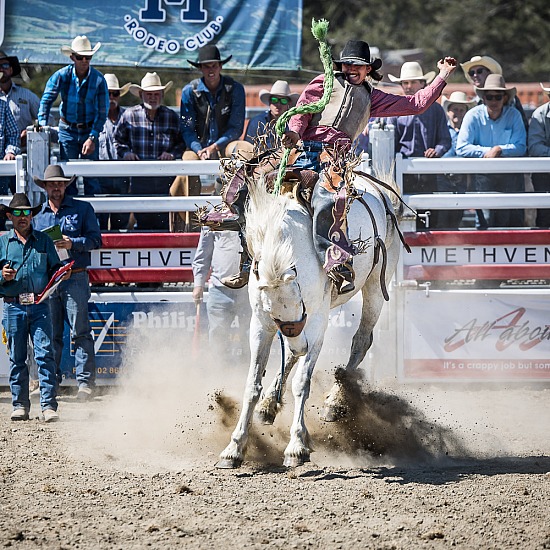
{"x":236,"y":281}
{"x":343,"y":278}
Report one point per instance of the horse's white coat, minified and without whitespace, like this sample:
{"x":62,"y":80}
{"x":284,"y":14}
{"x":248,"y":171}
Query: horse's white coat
{"x":290,"y":276}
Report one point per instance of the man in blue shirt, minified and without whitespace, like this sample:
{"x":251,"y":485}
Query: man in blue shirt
{"x":83,"y":108}
{"x":28,"y":259}
{"x":212,"y":116}
{"x":495,"y":129}
{"x":81,"y":234}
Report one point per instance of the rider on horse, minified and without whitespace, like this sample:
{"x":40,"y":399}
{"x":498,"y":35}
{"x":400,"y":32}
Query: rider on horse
{"x":330,"y":133}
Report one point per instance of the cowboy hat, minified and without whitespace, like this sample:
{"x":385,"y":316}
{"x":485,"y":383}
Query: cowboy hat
{"x":114,"y":86}
{"x":495,"y":83}
{"x":357,"y":52}
{"x":20,"y":201}
{"x":279,"y":89}
{"x":457,"y":97}
{"x":209,"y":54}
{"x":547,"y":90}
{"x":150,"y":83}
{"x":13,"y":61}
{"x":80,"y":46}
{"x":53,"y":172}
{"x":482,"y":60}
{"x":411,"y":70}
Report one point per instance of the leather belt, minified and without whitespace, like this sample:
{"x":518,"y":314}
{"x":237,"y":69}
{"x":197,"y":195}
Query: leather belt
{"x":79,"y":270}
{"x":13,"y":300}
{"x":77,"y":125}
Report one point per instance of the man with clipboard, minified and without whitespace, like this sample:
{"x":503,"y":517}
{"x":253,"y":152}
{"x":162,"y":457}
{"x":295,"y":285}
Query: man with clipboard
{"x":28,"y":261}
{"x":79,"y":235}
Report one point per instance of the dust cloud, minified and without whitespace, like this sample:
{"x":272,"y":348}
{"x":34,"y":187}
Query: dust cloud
{"x":175,"y":410}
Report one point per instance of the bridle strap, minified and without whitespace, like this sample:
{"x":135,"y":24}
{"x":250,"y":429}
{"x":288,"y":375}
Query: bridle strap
{"x":291,"y":329}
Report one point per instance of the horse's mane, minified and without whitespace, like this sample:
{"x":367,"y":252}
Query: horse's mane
{"x":265,"y":214}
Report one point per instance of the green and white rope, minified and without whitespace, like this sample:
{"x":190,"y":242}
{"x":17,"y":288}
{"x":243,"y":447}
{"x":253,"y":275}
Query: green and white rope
{"x":319,"y":29}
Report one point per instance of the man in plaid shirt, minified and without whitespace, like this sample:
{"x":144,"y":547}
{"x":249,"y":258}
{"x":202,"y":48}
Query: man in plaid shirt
{"x":83,"y":108}
{"x":149,"y":131}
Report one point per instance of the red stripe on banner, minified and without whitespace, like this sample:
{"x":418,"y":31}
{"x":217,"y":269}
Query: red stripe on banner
{"x":150,"y":240}
{"x":444,"y":238}
{"x":142,"y":275}
{"x":488,"y":272}
{"x":488,"y":369}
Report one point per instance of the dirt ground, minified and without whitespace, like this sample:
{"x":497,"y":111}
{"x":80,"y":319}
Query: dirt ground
{"x":422,"y":467}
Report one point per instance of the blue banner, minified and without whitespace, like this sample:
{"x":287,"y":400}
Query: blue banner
{"x":263,"y":34}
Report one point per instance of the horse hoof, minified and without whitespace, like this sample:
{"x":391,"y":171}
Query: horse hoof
{"x":333,"y":414}
{"x":295,"y":461}
{"x":229,"y":463}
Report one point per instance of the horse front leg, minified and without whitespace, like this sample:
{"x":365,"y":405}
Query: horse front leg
{"x":299,"y":447}
{"x":260,"y":344}
{"x":273,"y":397}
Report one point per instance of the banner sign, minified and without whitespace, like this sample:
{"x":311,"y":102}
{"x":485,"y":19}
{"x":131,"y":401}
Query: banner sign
{"x":473,"y":335}
{"x":263,"y":34}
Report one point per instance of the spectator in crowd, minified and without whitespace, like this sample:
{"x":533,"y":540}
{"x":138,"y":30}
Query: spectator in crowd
{"x":83,"y":108}
{"x":212,"y":117}
{"x":539,"y":146}
{"x":107,"y":151}
{"x":479,"y":68}
{"x":495,"y":129}
{"x":28,"y":259}
{"x":279,"y":100}
{"x":149,"y":131}
{"x":9,"y":142}
{"x":422,"y":135}
{"x":455,"y":106}
{"x":219,"y":253}
{"x":23,"y":105}
{"x":69,"y":301}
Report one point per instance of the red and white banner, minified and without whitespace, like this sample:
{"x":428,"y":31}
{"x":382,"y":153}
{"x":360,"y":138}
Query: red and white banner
{"x":473,"y":335}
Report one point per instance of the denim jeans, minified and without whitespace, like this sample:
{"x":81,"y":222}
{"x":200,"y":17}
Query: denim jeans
{"x":19,"y":322}
{"x":70,"y":147}
{"x":223,"y":305}
{"x":70,"y":301}
{"x":309,"y":158}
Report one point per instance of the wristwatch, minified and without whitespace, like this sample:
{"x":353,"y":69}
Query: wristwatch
{"x":92,"y":137}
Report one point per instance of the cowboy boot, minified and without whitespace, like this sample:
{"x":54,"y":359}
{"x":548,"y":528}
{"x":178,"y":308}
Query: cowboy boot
{"x":343,"y":278}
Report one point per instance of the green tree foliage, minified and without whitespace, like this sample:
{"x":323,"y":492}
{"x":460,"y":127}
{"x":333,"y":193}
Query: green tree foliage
{"x":515,"y":32}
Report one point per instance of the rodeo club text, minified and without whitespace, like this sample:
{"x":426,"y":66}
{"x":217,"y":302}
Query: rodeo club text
{"x":145,"y":257}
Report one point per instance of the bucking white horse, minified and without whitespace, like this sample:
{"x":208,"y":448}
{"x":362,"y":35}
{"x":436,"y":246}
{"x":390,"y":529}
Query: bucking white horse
{"x":289,"y":291}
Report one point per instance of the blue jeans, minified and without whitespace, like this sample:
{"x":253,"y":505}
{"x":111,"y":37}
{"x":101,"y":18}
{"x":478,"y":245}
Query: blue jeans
{"x":19,"y":322}
{"x":309,"y":158}
{"x":223,"y":305}
{"x":70,"y":301}
{"x":70,"y":147}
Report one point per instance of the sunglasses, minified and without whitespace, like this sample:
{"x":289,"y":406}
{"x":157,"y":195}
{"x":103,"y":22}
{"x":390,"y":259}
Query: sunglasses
{"x":495,"y":97}
{"x":114,"y":94}
{"x":21,"y":212}
{"x":281,"y":100}
{"x":481,"y":70}
{"x":81,"y":57}
{"x":5,"y":66}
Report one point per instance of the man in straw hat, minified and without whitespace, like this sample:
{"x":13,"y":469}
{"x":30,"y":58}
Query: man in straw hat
{"x":149,"y":131}
{"x":28,"y":260}
{"x":83,"y":108}
{"x":478,"y":68}
{"x":80,"y":235}
{"x":212,"y":117}
{"x":495,"y":129}
{"x":539,"y":146}
{"x":279,"y":100}
{"x":422,"y":135}
{"x":107,"y":151}
{"x":352,"y":103}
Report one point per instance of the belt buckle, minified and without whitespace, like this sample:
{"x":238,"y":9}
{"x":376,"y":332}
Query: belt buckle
{"x":26,"y":298}
{"x":81,"y":125}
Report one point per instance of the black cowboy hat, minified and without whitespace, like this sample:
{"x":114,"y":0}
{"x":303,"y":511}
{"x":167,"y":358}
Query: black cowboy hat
{"x":53,"y":172}
{"x":209,"y":54}
{"x":357,"y":52}
{"x":13,"y":61}
{"x":20,"y":201}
